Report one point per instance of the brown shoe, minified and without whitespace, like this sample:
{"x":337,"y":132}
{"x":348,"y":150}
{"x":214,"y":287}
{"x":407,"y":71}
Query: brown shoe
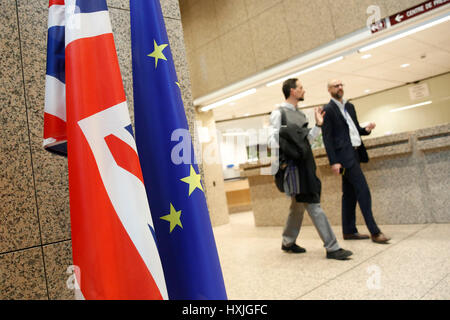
{"x":380,"y":238}
{"x":355,"y":236}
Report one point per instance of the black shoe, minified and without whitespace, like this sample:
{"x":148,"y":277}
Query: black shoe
{"x":293,"y":248}
{"x":340,"y":254}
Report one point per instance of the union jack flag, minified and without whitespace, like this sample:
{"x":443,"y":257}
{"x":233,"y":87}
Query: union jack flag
{"x":113,"y":238}
{"x":55,"y":138}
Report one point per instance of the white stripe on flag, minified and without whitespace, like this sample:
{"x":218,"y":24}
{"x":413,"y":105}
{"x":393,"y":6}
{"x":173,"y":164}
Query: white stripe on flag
{"x":86,"y":25}
{"x":56,"y":16}
{"x":55,"y":97}
{"x":48,"y":142}
{"x":51,"y":142}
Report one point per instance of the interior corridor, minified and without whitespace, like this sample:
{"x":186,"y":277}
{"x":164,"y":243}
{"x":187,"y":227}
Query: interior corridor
{"x":415,"y":265}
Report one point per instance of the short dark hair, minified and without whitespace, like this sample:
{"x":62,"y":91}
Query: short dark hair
{"x":288,"y":85}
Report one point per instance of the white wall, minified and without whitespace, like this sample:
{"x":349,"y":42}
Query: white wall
{"x":376,"y":108}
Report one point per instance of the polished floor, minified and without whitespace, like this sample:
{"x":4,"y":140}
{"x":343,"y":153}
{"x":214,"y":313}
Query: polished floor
{"x":415,"y":265}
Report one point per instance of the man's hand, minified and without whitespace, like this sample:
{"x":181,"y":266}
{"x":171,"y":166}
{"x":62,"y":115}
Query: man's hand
{"x":370,"y":127}
{"x":319,"y":114}
{"x":336,"y":167}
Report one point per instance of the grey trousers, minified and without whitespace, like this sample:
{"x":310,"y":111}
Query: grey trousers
{"x":318,"y":217}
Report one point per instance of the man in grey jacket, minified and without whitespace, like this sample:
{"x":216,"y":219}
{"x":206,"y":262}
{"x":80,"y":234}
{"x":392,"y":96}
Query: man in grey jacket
{"x":303,"y":194}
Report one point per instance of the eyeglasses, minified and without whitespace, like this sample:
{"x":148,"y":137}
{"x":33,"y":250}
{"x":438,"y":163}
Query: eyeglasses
{"x":337,"y":85}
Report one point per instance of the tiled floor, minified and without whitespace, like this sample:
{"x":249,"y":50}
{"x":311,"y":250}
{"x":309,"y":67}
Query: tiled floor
{"x":415,"y":265}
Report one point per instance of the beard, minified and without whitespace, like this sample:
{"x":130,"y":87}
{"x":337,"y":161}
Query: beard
{"x":338,"y":95}
{"x":301,"y":99}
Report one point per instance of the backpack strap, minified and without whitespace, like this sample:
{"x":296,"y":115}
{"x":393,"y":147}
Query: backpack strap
{"x":283,"y":117}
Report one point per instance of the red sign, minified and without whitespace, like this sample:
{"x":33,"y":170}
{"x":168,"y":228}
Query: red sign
{"x":416,"y":11}
{"x":379,"y":25}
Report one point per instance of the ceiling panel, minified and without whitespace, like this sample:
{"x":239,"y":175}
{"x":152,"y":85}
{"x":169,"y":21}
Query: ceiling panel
{"x":388,"y":74}
{"x":354,"y":62}
{"x":434,"y":57}
{"x":437,"y":36}
{"x":400,"y":47}
{"x":427,"y":52}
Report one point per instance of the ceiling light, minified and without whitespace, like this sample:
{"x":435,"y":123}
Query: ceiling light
{"x":411,"y":106}
{"x":227,"y":100}
{"x":246,"y":115}
{"x":366,"y":56}
{"x":404,"y":34}
{"x":367,"y":90}
{"x":405,"y":65}
{"x":315,"y":67}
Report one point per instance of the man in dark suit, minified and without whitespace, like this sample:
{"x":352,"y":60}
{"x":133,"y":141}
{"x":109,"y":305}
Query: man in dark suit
{"x":345,"y":148}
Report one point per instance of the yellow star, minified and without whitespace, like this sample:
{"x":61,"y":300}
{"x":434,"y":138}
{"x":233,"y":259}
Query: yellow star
{"x":193,"y":180}
{"x":157,"y":52}
{"x":173,"y":218}
{"x":178,"y":84}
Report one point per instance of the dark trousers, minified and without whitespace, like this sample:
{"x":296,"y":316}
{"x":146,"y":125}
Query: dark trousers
{"x":355,"y":189}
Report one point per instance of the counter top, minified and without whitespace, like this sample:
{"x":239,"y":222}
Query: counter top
{"x":236,"y":185}
{"x":428,"y":139}
{"x":435,"y":138}
{"x":409,"y":178}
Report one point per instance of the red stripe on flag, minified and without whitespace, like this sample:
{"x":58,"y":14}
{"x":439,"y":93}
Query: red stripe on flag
{"x":54,"y":127}
{"x":125,"y":156}
{"x":97,"y":83}
{"x":58,"y":2}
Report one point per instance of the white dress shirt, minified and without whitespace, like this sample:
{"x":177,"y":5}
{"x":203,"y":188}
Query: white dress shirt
{"x":275,"y":122}
{"x":354,"y":134}
{"x":290,"y":188}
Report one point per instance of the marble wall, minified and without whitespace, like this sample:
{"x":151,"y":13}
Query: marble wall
{"x":35,"y":239}
{"x":230,"y":40}
{"x":213,"y":173}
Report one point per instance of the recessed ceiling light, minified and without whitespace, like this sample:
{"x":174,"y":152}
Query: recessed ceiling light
{"x":367,"y":90}
{"x":366,"y":56}
{"x":315,"y":67}
{"x":228,"y":100}
{"x":411,"y":106}
{"x":404,"y":34}
{"x":246,"y":115}
{"x":405,"y":65}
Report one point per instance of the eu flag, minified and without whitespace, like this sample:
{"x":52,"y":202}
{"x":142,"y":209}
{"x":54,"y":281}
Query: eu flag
{"x":172,"y":179}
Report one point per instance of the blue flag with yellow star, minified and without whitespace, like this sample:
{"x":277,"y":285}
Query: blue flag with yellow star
{"x":172,"y":179}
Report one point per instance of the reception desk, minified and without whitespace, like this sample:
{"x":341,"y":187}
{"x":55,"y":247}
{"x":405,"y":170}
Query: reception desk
{"x":408,"y":175}
{"x":238,"y":195}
